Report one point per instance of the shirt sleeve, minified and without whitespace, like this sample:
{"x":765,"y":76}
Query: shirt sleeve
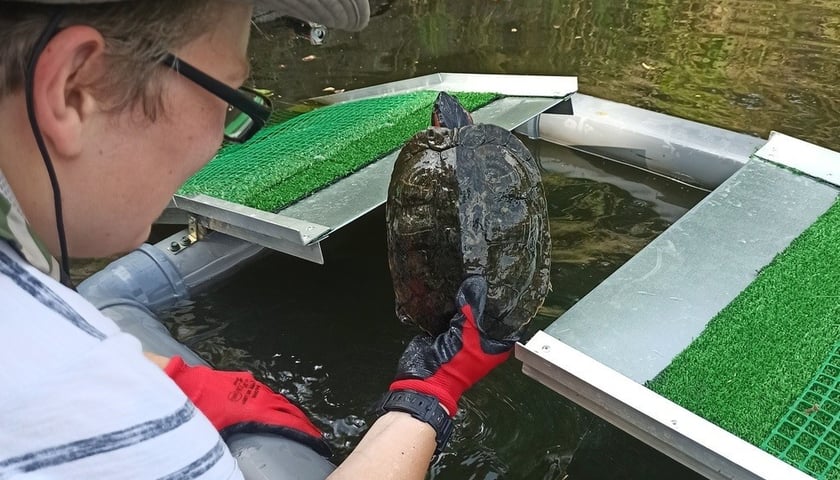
{"x":80,"y":400}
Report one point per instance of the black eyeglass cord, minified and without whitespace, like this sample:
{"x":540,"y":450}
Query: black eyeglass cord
{"x":50,"y":30}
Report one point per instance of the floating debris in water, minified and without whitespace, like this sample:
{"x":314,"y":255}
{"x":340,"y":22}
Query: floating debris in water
{"x":309,"y":58}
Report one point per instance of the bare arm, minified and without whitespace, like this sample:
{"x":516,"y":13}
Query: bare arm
{"x":158,"y":360}
{"x":396,"y":447}
{"x":437,"y":371}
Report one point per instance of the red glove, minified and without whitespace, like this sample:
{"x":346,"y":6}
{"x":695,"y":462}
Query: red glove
{"x":235,"y":402}
{"x":448,"y":365}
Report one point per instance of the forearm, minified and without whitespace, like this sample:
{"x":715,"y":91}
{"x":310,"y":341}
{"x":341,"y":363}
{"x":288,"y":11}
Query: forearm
{"x":158,"y":360}
{"x":397,"y":446}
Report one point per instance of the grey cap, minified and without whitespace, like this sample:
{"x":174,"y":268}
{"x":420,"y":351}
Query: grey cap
{"x":350,"y":15}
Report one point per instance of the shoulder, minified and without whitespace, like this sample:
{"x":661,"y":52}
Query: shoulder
{"x":79,"y":399}
{"x":43,"y":322}
{"x":107,"y":413}
{"x":26,"y":291}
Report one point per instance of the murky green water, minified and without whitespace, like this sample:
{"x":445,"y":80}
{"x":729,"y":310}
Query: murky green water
{"x":747,"y":65}
{"x":327,"y":336}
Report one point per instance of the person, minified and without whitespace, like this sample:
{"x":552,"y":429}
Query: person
{"x":106,"y":107}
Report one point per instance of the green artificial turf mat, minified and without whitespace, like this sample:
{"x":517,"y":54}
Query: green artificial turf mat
{"x":759,"y":353}
{"x":290,"y":160}
{"x":808,"y":435}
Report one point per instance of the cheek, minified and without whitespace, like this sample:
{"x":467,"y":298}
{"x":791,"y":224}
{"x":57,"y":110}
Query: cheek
{"x":211,"y":114}
{"x":210,"y":132}
{"x":199,"y":140}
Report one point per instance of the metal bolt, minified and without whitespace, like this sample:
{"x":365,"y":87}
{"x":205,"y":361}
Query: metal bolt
{"x":174,"y":247}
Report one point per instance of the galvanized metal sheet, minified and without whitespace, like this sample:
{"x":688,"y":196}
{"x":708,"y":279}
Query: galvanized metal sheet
{"x":511,"y":85}
{"x":658,"y":422}
{"x":697,"y":154}
{"x":278,"y":232}
{"x":805,"y":157}
{"x":652,"y":307}
{"x":299,"y":228}
{"x":355,"y":195}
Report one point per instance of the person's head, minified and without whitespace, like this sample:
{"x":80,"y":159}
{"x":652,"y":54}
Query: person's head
{"x":122,"y":127}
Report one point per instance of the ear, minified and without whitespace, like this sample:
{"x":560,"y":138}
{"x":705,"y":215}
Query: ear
{"x":64,"y":78}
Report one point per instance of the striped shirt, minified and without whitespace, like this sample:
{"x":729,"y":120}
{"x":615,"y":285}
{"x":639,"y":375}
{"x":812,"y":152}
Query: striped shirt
{"x":78,"y":399}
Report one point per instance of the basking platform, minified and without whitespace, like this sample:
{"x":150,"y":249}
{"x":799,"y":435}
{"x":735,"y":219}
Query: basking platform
{"x":716,"y":344}
{"x":279,"y":217}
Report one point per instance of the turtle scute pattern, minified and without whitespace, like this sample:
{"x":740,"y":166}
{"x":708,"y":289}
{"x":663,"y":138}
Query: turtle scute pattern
{"x":467,"y":201}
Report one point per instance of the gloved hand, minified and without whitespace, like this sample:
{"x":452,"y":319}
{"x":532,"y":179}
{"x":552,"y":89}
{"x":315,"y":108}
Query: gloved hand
{"x":448,"y":365}
{"x":235,"y":402}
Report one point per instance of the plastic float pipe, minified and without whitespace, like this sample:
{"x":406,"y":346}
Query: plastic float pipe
{"x":133,"y":289}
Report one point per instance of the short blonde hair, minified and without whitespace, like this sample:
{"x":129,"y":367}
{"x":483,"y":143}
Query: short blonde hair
{"x":138,"y":34}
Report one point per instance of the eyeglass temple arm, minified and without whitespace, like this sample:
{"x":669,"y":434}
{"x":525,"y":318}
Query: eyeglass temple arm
{"x":257,"y":112}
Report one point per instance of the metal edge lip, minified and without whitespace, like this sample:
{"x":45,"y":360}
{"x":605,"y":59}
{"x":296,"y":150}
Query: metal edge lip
{"x":289,"y":224}
{"x":808,"y":158}
{"x":510,"y":85}
{"x":522,"y":93}
{"x":297,"y":231}
{"x":653,"y":419}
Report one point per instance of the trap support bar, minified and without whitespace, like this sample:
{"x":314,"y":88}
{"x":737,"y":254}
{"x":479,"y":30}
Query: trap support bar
{"x":687,"y":151}
{"x":299,"y":228}
{"x":631,"y":326}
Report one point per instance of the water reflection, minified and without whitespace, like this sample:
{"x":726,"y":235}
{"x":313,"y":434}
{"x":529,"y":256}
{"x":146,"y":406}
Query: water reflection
{"x":601,"y":214}
{"x":327,"y":336}
{"x":747,"y":65}
{"x":330,"y":341}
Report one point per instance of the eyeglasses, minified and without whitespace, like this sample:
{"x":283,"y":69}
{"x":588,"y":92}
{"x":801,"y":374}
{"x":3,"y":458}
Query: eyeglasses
{"x":248,"y":110}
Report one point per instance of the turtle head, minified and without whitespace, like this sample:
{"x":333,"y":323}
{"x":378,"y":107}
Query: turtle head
{"x":448,"y":113}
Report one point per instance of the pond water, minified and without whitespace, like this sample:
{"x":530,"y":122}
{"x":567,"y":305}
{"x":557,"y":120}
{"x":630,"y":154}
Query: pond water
{"x":327,"y":335}
{"x":747,"y":65}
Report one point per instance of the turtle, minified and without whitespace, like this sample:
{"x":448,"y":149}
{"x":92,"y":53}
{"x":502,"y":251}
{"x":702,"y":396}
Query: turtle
{"x":467,"y":199}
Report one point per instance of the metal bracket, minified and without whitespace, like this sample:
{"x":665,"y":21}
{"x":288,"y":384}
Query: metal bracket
{"x":284,"y":234}
{"x":531,"y":128}
{"x":299,"y":228}
{"x":196,"y":229}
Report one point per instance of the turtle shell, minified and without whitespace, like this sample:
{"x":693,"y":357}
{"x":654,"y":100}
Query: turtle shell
{"x":467,"y":201}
